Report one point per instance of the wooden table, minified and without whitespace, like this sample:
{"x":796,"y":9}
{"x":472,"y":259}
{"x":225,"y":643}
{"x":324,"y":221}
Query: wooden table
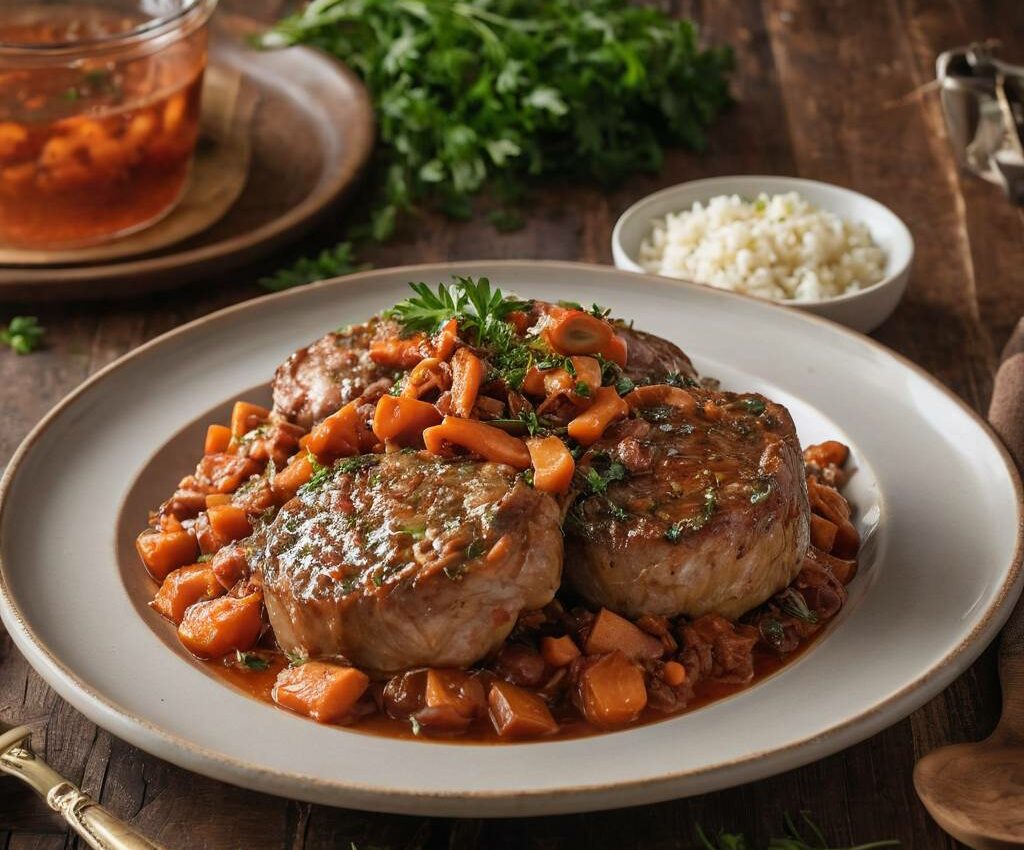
{"x":827,"y":90}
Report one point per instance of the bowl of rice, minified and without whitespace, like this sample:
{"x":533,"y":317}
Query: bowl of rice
{"x":818,"y":247}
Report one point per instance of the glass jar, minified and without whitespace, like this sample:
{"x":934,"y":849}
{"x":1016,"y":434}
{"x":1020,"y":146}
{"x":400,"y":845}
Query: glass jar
{"x":99,"y":115}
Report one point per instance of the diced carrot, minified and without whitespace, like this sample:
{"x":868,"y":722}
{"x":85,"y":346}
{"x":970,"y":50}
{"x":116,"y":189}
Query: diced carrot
{"x":217,"y":499}
{"x":229,"y":522}
{"x":183,"y":588}
{"x":426,"y":375}
{"x":612,"y":691}
{"x":398,"y":352}
{"x":169,"y":522}
{"x":403,"y":420}
{"x":588,"y":371}
{"x":218,"y":438}
{"x":823,"y":533}
{"x":452,"y":699}
{"x":325,"y":692}
{"x":342,"y":434}
{"x":467,"y":376}
{"x":517,"y":713}
{"x":674,"y":673}
{"x":163,"y":551}
{"x":553,"y":465}
{"x":218,"y":626}
{"x":227,"y":471}
{"x":558,"y":381}
{"x":287,"y":482}
{"x":829,"y":452}
{"x":533,"y":383}
{"x":576,"y":332}
{"x":610,"y":632}
{"x":617,"y":350}
{"x":489,"y":442}
{"x":559,"y":651}
{"x":245,"y":417}
{"x":446,"y":340}
{"x":588,"y":427}
{"x":661,"y":394}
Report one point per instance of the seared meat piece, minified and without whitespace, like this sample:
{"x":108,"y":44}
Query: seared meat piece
{"x":317,"y":380}
{"x":407,"y":561}
{"x":693,"y":509}
{"x":651,"y":359}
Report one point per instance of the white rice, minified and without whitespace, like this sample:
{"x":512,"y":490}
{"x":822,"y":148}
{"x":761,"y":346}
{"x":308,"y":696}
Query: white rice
{"x":778,"y":246}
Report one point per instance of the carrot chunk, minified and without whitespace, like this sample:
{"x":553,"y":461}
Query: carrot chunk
{"x":588,"y":427}
{"x":425,"y":376}
{"x":398,"y":352}
{"x":467,"y":376}
{"x":588,"y":372}
{"x":659,"y":394}
{"x":674,"y":673}
{"x":452,"y":700}
{"x":164,"y":551}
{"x":612,"y":691}
{"x":617,"y":350}
{"x":218,"y":438}
{"x":342,"y":434}
{"x":560,"y":651}
{"x":533,"y":383}
{"x":610,"y":632}
{"x":517,"y":713}
{"x":287,"y":482}
{"x":183,"y":588}
{"x":218,"y":626}
{"x":403,"y":420}
{"x":576,"y":332}
{"x":829,"y":452}
{"x":229,"y":522}
{"x":823,"y":533}
{"x":245,"y":417}
{"x":217,"y":499}
{"x":489,"y":442}
{"x":553,"y":465}
{"x":446,"y":340}
{"x":325,"y":692}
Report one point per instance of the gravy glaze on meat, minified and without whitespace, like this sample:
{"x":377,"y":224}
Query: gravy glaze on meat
{"x":410,"y":561}
{"x":704,"y":511}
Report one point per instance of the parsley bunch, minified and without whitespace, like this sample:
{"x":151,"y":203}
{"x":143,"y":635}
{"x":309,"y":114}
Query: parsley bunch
{"x":23,"y":334}
{"x":498,"y":92}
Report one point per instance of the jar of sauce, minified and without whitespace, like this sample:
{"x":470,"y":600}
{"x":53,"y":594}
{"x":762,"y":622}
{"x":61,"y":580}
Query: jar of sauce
{"x":99,"y":115}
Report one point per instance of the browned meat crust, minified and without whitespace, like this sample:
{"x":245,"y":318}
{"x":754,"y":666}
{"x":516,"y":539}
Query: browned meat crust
{"x":691,"y":512}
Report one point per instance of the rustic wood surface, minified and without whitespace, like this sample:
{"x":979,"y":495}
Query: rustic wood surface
{"x":827,"y":90}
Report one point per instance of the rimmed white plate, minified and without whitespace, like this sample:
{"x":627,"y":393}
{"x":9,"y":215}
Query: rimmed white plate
{"x":939,"y":504}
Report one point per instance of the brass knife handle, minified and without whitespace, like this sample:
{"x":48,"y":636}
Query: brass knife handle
{"x":97,"y":827}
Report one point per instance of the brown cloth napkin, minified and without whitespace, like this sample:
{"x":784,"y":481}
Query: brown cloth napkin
{"x":1006,"y":413}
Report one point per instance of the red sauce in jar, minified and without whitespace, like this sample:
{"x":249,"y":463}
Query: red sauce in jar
{"x":97,"y":147}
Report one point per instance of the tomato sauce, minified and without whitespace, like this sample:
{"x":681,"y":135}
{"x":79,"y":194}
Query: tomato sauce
{"x":97,"y":147}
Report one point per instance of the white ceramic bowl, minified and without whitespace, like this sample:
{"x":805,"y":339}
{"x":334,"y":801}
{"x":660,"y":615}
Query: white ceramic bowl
{"x":863,"y":311}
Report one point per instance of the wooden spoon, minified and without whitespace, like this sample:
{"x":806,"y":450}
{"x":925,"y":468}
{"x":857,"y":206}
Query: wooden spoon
{"x":976,"y":791}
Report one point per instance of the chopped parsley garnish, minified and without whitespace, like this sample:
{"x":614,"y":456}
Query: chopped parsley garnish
{"x":624,"y":385}
{"x":753,"y":406}
{"x":354,"y":464}
{"x":772,"y":632}
{"x":23,"y":334}
{"x":527,"y":476}
{"x":677,"y":379}
{"x":296,"y":659}
{"x":251,"y":660}
{"x":582,"y":389}
{"x":683,"y":527}
{"x":204,"y":559}
{"x":597,"y":481}
{"x":416,"y":530}
{"x":617,"y":512}
{"x":321,"y":475}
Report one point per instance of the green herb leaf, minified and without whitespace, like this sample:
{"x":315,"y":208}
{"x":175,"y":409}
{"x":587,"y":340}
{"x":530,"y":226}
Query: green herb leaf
{"x":683,"y":527}
{"x":23,"y":334}
{"x":792,"y":602}
{"x":331,"y":262}
{"x":251,"y":660}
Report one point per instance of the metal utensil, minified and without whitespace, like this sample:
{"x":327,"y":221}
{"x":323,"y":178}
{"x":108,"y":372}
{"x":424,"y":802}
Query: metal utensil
{"x":983,"y":104}
{"x":97,"y":827}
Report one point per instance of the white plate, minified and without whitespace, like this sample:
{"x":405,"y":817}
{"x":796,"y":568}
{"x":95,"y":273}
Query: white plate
{"x":938,"y":501}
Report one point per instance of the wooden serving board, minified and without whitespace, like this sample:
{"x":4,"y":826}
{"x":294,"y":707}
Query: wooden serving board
{"x":310,"y":130}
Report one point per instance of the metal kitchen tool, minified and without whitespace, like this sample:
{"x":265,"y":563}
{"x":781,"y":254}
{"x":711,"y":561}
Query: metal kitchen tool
{"x":983,"y":103}
{"x":98,"y":827}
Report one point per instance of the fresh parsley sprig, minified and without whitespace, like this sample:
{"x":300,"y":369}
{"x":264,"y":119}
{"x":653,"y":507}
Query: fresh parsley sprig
{"x":23,"y":334}
{"x":331,"y":262}
{"x":503,"y":93}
